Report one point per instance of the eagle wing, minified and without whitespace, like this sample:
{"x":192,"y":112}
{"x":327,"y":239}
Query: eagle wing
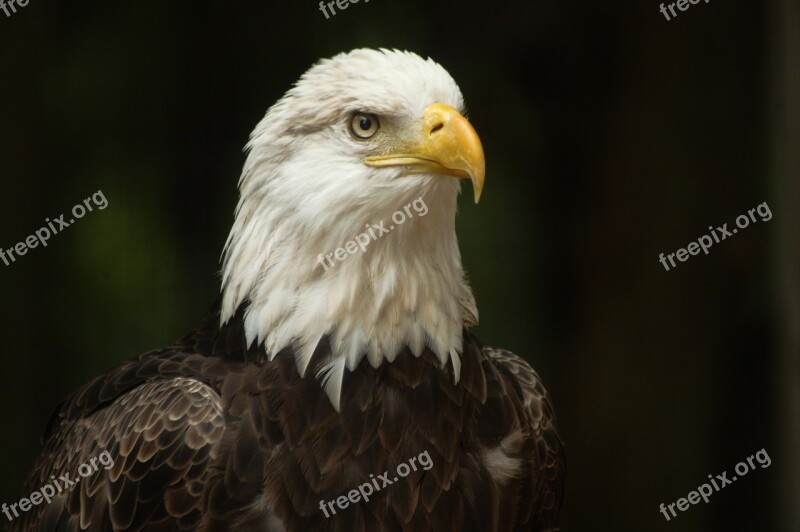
{"x":527,"y":459}
{"x":167,"y":430}
{"x":158,"y":438}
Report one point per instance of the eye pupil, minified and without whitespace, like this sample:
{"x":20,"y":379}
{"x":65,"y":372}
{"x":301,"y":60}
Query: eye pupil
{"x":365,"y":124}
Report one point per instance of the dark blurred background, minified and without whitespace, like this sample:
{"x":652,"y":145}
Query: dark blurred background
{"x":611,"y":134}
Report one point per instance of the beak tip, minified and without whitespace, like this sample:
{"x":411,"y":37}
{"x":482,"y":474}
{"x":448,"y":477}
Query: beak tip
{"x":477,"y":187}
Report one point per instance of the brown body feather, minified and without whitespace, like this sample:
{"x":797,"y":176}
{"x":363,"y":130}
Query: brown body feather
{"x":208,"y":435}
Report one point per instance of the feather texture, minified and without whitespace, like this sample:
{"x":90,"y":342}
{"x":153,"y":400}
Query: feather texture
{"x":208,"y":435}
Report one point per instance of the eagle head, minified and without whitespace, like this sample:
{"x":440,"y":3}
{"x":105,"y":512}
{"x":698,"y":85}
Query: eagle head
{"x":318,"y":250}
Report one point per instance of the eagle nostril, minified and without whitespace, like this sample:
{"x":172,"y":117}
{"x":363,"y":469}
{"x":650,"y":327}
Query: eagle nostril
{"x":436,"y":128}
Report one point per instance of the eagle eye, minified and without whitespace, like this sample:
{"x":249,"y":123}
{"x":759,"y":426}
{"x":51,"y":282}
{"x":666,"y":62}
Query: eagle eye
{"x":364,"y":125}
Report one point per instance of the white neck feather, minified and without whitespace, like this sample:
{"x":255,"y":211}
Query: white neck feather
{"x":406,"y":289}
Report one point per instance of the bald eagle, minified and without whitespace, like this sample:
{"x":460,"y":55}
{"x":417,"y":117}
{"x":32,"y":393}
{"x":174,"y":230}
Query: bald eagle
{"x":343,"y":394}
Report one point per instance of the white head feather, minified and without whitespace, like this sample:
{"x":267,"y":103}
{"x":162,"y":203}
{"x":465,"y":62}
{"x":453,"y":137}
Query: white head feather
{"x":306,"y":191}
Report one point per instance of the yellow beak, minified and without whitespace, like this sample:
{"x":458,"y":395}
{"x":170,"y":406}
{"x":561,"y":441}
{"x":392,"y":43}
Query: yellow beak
{"x":449,"y":146}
